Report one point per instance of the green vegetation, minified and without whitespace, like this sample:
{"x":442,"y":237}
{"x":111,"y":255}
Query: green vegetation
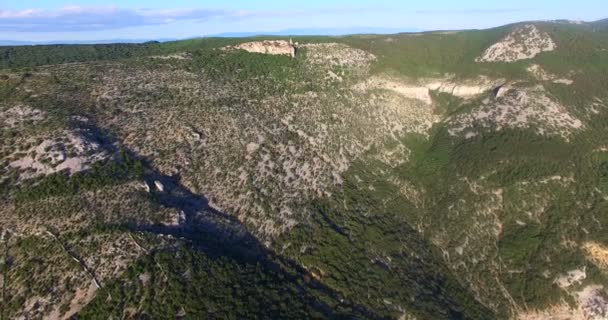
{"x":26,"y":57}
{"x":435,"y":54}
{"x":271,"y":75}
{"x":360,"y":203}
{"x":116,"y":171}
{"x":361,"y":244}
{"x":191,"y":283}
{"x":30,"y":56}
{"x":28,"y":277}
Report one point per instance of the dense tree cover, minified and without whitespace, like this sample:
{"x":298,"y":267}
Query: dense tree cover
{"x":206,"y":281}
{"x":12,"y":57}
{"x":30,"y":56}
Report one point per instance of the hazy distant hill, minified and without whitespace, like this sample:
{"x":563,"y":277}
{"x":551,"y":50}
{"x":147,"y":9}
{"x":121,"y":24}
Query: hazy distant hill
{"x":288,"y":32}
{"x":319,"y":32}
{"x":109,"y":41}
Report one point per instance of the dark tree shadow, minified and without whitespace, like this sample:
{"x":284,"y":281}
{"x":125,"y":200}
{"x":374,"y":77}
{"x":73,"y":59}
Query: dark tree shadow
{"x":216,"y":233}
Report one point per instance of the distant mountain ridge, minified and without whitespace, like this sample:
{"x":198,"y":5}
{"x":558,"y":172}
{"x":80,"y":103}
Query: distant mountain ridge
{"x":53,"y":42}
{"x":318,"y":32}
{"x":286,"y":32}
{"x":598,"y":25}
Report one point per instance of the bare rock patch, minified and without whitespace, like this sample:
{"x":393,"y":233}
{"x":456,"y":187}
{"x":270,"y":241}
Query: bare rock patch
{"x":540,"y":74}
{"x":421,"y":89}
{"x":597,"y":253}
{"x":518,"y":108}
{"x":274,"y":47}
{"x":524,"y":42}
{"x":64,"y":150}
{"x":20,"y":114}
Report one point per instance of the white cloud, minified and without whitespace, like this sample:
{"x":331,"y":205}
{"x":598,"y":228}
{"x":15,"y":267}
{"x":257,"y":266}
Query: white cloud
{"x":76,"y":18}
{"x":476,"y":11}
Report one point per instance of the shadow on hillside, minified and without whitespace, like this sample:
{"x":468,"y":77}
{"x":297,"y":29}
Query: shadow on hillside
{"x":218,"y":234}
{"x":199,"y":223}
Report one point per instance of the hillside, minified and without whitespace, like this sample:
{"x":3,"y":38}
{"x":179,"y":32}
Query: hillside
{"x":436,"y":175}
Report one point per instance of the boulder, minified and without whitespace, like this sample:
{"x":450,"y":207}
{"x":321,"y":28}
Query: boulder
{"x":159,"y":186}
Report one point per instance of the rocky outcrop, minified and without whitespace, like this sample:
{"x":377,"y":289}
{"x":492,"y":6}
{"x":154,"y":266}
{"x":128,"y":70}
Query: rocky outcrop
{"x":70,"y":150}
{"x":159,"y":186}
{"x":591,"y":304}
{"x":20,"y":114}
{"x":465,"y":88}
{"x":411,"y":91}
{"x":540,"y":74}
{"x":520,"y":108}
{"x":524,"y":42}
{"x":597,"y":254}
{"x":276,"y":47}
{"x":422,"y":90}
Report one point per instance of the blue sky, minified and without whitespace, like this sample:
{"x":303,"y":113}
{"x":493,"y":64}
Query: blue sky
{"x":46,"y":20}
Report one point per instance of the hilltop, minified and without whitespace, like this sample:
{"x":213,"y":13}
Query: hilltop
{"x":436,"y":175}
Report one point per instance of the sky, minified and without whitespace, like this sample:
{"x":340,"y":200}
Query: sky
{"x":86,"y":20}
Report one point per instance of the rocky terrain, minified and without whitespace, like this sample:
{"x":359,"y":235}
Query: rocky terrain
{"x":522,"y":43}
{"x":277,"y":47}
{"x":441,"y":175}
{"x":517,"y":108}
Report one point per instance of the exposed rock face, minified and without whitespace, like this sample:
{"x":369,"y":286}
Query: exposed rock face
{"x":522,"y":43}
{"x":517,"y":108}
{"x":411,"y":91}
{"x":159,"y":186}
{"x":146,"y":187}
{"x":571,"y":278}
{"x":63,"y":150}
{"x":593,"y":302}
{"x":597,"y":253}
{"x":591,"y":305}
{"x":465,"y":88}
{"x":540,"y":74}
{"x":421,"y":91}
{"x":277,"y":47}
{"x":18,"y":115}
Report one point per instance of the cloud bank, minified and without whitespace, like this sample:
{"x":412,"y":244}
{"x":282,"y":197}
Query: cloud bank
{"x":83,"y":19}
{"x":75,"y":18}
{"x":476,"y":11}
